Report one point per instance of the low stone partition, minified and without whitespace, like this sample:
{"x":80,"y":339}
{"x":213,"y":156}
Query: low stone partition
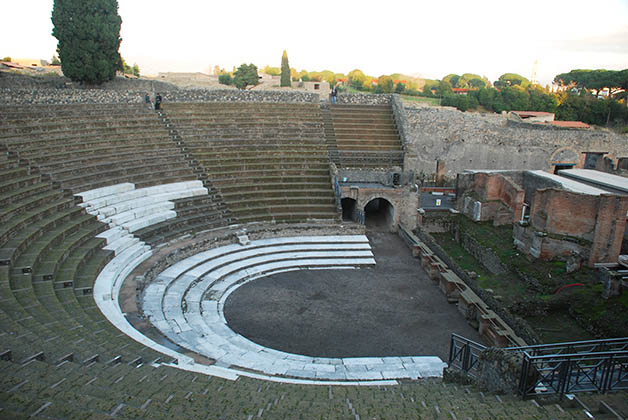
{"x":364,"y":99}
{"x":233,"y":95}
{"x":10,"y":96}
{"x":494,"y":330}
{"x":66,"y":96}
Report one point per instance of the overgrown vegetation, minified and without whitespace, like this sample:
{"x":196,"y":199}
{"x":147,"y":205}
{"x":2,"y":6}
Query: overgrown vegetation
{"x":532,"y":288}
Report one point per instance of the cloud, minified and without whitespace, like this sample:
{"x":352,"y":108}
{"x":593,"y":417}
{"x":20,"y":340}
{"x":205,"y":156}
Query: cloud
{"x":614,"y":43}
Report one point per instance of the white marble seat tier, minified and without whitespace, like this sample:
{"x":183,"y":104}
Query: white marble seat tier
{"x":202,"y":283}
{"x":186,"y":302}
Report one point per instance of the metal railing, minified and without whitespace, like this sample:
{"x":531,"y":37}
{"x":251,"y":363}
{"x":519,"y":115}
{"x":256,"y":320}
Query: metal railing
{"x":464,"y":354}
{"x":561,"y":368}
{"x":576,"y":372}
{"x":589,"y":346}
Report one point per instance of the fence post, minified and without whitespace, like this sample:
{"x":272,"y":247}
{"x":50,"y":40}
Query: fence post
{"x":607,"y":375}
{"x":523,"y":379}
{"x":466,"y":357}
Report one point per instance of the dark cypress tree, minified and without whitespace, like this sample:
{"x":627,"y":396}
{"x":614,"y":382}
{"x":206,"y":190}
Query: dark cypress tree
{"x":88,"y":32}
{"x":285,"y":71}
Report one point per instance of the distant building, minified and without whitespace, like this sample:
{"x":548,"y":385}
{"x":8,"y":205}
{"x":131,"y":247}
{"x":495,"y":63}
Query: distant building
{"x":534,"y":116}
{"x":30,"y":62}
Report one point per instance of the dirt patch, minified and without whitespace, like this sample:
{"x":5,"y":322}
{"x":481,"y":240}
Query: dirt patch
{"x":392,"y":309}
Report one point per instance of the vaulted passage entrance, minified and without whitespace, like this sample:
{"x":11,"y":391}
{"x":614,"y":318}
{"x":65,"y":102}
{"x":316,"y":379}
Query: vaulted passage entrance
{"x":379,"y":214}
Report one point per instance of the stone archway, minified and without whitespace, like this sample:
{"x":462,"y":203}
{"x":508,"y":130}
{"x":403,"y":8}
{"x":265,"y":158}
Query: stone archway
{"x":379,"y":213}
{"x":564,"y":158}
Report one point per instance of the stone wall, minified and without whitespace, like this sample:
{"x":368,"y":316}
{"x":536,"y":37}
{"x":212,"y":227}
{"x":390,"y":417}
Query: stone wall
{"x":233,"y":95}
{"x":494,"y":196}
{"x":484,"y":255}
{"x":364,"y":99}
{"x":90,"y":96}
{"x":473,"y":141}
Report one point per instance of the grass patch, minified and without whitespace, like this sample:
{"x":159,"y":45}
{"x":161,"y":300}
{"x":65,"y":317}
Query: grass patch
{"x":507,"y":286}
{"x":557,"y":327}
{"x":421,"y":99}
{"x":576,"y":313}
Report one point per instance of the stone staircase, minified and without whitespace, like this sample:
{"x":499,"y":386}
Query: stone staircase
{"x":330,"y":134}
{"x":267,"y":161}
{"x":366,"y":136}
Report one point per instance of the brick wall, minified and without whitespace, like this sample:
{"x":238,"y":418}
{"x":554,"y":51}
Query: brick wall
{"x":501,"y":199}
{"x":564,"y":213}
{"x":609,"y":228}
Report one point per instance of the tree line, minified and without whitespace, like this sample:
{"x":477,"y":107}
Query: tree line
{"x":88,"y":34}
{"x":592,"y":96}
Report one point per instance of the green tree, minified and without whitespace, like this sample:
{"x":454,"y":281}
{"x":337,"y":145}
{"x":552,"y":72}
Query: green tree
{"x":444,"y":88}
{"x":285,"y":70}
{"x":272,"y":71}
{"x":88,"y":32}
{"x":541,"y":100}
{"x":225,"y":79}
{"x":385,"y":84}
{"x":400,"y":88}
{"x":452,"y":79}
{"x":55,"y":61}
{"x":7,"y":59}
{"x":486,"y":97}
{"x":477,"y":83}
{"x":356,"y":79}
{"x":515,"y":98}
{"x":511,"y":79}
{"x":246,"y":75}
{"x":613,"y":80}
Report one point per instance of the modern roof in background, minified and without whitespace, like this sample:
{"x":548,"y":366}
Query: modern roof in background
{"x":609,"y":182}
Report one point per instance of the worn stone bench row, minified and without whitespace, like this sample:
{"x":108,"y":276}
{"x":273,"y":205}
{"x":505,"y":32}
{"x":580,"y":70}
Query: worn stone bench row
{"x":76,"y":141}
{"x":87,"y":122}
{"x":237,"y":146}
{"x":490,"y":326}
{"x":78,"y":110}
{"x":62,"y":132}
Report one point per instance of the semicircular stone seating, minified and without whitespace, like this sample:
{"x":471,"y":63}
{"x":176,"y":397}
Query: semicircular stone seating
{"x":186,"y":301}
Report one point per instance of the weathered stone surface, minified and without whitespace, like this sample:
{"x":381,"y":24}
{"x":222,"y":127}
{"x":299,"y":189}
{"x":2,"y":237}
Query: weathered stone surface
{"x":489,"y":141}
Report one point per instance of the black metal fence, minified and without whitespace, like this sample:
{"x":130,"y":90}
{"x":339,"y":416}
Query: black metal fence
{"x":581,"y":366}
{"x":561,"y":368}
{"x":464,"y":354}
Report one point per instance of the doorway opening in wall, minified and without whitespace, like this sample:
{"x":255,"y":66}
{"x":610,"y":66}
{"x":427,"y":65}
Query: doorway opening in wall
{"x":379,"y":214}
{"x":348,"y":209}
{"x":561,"y":166}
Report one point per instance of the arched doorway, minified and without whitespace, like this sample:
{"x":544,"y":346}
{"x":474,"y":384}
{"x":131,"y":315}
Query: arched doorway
{"x":348,"y":209}
{"x":379,"y":213}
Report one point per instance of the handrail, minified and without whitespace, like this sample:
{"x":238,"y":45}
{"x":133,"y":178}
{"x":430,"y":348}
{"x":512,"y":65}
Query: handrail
{"x":577,"y":372}
{"x":464,"y":354}
{"x":555,"y":373}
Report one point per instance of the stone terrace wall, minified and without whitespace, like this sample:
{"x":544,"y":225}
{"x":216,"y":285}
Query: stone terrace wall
{"x":364,"y":99}
{"x":87,"y":96}
{"x":68,"y":96}
{"x":472,"y":141}
{"x":231,"y":95}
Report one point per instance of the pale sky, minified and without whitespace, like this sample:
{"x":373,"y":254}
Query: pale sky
{"x":427,"y":38}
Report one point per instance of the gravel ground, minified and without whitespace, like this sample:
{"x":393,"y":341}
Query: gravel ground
{"x":392,"y":309}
